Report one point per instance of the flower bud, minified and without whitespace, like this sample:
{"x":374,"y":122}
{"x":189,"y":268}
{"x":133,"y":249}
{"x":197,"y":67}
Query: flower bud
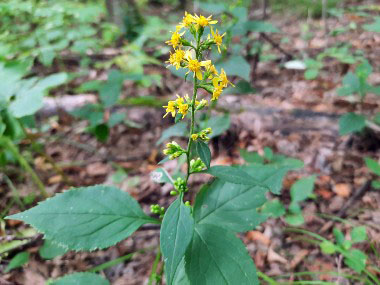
{"x":173,"y":193}
{"x":196,"y":165}
{"x":180,"y":185}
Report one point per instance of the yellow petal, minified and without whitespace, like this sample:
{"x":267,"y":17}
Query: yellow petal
{"x":199,"y":74}
{"x":215,"y":81}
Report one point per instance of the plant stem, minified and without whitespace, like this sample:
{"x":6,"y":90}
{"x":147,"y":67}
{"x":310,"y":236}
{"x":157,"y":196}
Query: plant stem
{"x":154,"y":266}
{"x":12,"y":148}
{"x":266,"y":278}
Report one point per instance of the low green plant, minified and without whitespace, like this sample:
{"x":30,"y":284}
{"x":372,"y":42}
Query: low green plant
{"x":374,"y":167}
{"x":355,"y":84}
{"x":109,"y":92}
{"x":20,"y":99}
{"x":192,"y":233}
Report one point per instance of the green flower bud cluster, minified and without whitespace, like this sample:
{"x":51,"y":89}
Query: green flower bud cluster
{"x":196,"y":165}
{"x":180,"y":186}
{"x":174,"y":150}
{"x":156,"y":209}
{"x":202,"y":135}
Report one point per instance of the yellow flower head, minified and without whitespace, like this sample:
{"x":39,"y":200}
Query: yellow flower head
{"x":170,"y":108}
{"x":223,"y":79}
{"x":194,"y":137}
{"x":187,"y":20}
{"x":183,"y":109}
{"x":217,"y":38}
{"x":176,"y":58}
{"x":175,"y":39}
{"x":202,"y":21}
{"x":216,"y":93}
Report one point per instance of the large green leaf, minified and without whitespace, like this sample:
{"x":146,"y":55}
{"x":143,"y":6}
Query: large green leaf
{"x":217,"y":256}
{"x":176,"y":234}
{"x":373,"y":27}
{"x":50,"y":250}
{"x":350,"y":123}
{"x":177,"y":130}
{"x":269,"y":175}
{"x":236,"y":65}
{"x":86,"y":218}
{"x":233,"y":175}
{"x":230,"y":206}
{"x":80,"y":278}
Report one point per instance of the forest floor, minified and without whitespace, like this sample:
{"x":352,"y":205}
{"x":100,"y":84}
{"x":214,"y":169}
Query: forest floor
{"x":293,"y":116}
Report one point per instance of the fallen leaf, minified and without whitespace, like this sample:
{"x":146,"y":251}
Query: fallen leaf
{"x":298,"y":258}
{"x":258,"y":236}
{"x":342,"y":190}
{"x":275,"y":257}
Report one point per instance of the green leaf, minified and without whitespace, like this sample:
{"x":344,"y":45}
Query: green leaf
{"x":350,"y":123}
{"x":356,"y":259}
{"x":101,"y":132}
{"x":373,"y":165}
{"x":251,"y":156}
{"x":204,"y":153}
{"x":327,"y":247}
{"x":231,"y":206}
{"x":160,"y":175}
{"x":261,"y":27}
{"x":180,"y":277}
{"x":17,"y":261}
{"x":236,"y":65}
{"x":273,"y":208}
{"x":294,"y":219}
{"x":51,"y":250}
{"x":373,"y":27}
{"x":177,"y":130}
{"x":268,"y":153}
{"x":80,"y":278}
{"x":302,"y":189}
{"x":311,"y":73}
{"x":52,"y":81}
{"x":217,"y":256}
{"x":175,"y":236}
{"x":375,"y":184}
{"x":27,"y":102}
{"x":109,"y":92}
{"x":339,"y":236}
{"x":358,"y":234}
{"x":233,"y":175}
{"x":218,"y":124}
{"x":268,"y":175}
{"x":87,"y":218}
{"x":115,"y":119}
{"x":350,"y":85}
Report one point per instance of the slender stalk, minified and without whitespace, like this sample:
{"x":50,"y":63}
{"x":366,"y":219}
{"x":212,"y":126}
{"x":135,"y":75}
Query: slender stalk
{"x":154,"y":267}
{"x":24,"y":163}
{"x":16,"y":194}
{"x":266,"y":278}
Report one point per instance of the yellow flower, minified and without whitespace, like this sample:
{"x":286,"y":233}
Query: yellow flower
{"x":183,"y":109}
{"x":223,"y":78}
{"x":187,"y":20}
{"x":175,"y":39}
{"x":202,"y":21}
{"x":217,"y":38}
{"x":194,"y":65}
{"x":176,"y":58}
{"x":170,"y":108}
{"x":194,"y":137}
{"x":217,"y":91}
{"x":179,"y":100}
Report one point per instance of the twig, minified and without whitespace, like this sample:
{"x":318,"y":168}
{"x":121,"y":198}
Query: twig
{"x":342,"y":212}
{"x":276,"y":46}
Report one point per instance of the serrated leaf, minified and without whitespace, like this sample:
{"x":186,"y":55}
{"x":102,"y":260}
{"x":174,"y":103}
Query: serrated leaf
{"x":87,"y":218}
{"x":359,"y":234}
{"x":50,"y":250}
{"x":204,"y":153}
{"x":302,"y":189}
{"x":17,"y":261}
{"x":350,"y":123}
{"x":268,"y":175}
{"x":233,"y":175}
{"x":175,"y":236}
{"x":80,"y":278}
{"x":217,"y":256}
{"x":230,"y":206}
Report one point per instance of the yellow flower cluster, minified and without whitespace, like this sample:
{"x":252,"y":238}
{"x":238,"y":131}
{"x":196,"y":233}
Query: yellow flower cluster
{"x":190,"y":58}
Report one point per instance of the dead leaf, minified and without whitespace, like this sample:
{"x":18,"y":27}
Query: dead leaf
{"x":55,"y":179}
{"x":258,"y":236}
{"x":97,"y":169}
{"x":275,"y":257}
{"x":298,"y":258}
{"x":342,"y":190}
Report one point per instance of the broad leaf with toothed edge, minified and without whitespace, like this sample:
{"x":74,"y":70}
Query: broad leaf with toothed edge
{"x":87,"y":218}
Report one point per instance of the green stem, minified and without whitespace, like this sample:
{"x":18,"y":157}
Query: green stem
{"x":266,"y":278}
{"x":12,"y":148}
{"x":16,"y":194}
{"x":154,"y":266}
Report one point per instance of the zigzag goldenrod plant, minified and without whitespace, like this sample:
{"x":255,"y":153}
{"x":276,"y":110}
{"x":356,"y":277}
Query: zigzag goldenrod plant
{"x":198,"y":242}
